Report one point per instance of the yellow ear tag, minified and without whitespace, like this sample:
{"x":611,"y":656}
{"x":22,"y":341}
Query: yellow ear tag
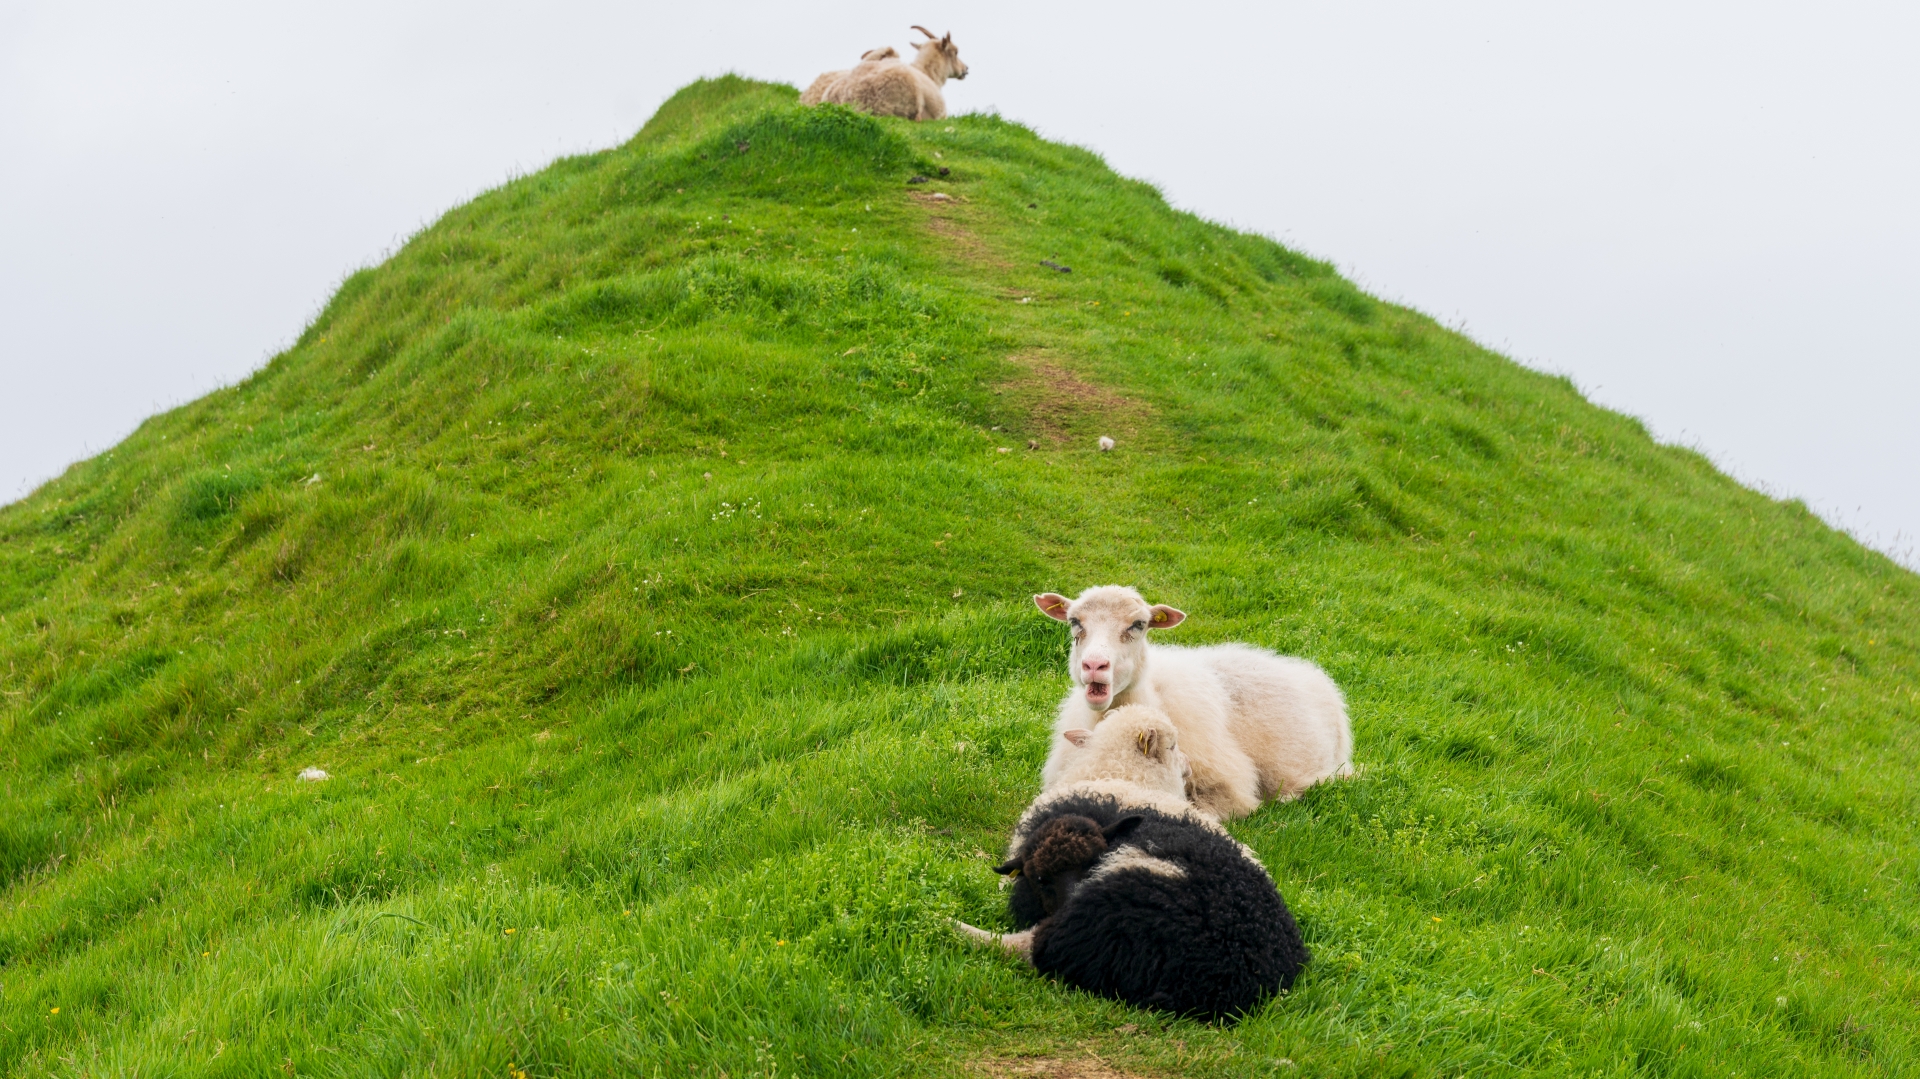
{"x":1015,"y":873}
{"x":1159,"y":617}
{"x":1141,"y":741}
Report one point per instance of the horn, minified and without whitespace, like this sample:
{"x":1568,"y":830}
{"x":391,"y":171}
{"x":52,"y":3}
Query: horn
{"x":925,"y":31}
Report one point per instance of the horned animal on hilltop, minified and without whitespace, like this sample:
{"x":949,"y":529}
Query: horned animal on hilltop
{"x":1255,"y":726}
{"x":884,"y":86}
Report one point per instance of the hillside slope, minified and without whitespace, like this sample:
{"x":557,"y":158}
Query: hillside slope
{"x":637,"y":550}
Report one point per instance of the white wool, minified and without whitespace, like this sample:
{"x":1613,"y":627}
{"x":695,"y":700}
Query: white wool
{"x":1132,"y":857}
{"x":1105,"y":443}
{"x":1113,"y":763}
{"x":1254,"y":725}
{"x":314,"y":775}
{"x":885,"y":86}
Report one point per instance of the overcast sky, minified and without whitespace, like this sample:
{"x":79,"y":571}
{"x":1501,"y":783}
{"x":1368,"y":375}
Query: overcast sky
{"x":1704,"y":213}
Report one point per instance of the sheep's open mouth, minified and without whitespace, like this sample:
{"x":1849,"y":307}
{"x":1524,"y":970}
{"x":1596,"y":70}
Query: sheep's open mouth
{"x":1098,"y":692}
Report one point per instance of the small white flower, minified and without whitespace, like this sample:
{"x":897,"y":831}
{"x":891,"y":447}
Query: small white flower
{"x":313,"y":775}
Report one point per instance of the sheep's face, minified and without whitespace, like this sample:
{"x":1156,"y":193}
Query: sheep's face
{"x":1109,"y":624}
{"x":944,"y":59}
{"x":1134,"y":743}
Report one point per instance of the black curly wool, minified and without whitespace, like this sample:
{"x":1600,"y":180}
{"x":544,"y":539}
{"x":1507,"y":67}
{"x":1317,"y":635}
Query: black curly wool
{"x":1212,"y":944}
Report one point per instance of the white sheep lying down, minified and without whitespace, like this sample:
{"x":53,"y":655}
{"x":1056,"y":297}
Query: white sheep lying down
{"x":1254,"y":725}
{"x":881,"y":84}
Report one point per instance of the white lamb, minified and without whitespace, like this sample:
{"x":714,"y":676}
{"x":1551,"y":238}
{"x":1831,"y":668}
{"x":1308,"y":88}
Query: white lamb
{"x":1254,"y":725}
{"x":813,"y":93}
{"x":881,"y":84}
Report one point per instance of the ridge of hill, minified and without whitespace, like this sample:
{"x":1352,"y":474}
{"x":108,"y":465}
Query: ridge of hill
{"x":645,"y":547}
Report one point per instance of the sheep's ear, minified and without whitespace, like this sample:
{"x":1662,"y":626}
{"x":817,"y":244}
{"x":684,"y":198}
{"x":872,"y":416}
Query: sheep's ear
{"x":1008,"y":869}
{"x":1122,"y":828}
{"x":1053,"y":605}
{"x":1078,"y":736}
{"x":1165,"y":617}
{"x":1153,"y":743}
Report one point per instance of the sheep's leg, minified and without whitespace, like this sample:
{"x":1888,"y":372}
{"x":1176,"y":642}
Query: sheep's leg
{"x":1020,"y":944}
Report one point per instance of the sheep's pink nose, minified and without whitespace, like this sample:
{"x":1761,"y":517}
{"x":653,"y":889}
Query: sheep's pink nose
{"x":1094,"y":666}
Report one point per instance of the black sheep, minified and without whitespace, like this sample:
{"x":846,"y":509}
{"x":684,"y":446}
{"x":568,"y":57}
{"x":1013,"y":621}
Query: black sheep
{"x":1122,"y":893}
{"x":1159,"y":911}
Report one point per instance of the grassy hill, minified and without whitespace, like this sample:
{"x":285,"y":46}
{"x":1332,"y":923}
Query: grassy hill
{"x":645,"y":549}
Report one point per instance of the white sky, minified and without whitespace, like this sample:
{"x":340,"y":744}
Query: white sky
{"x":1705,"y":213}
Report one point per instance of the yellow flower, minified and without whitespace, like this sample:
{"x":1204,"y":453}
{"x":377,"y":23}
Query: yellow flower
{"x":780,"y":943}
{"x":55,"y":1011}
{"x":506,"y":930}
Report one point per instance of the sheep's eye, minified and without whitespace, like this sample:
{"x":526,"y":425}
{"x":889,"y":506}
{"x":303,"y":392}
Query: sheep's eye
{"x":1138,"y":626}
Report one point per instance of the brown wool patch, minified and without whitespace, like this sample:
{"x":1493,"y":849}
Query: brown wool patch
{"x":1066,"y":843}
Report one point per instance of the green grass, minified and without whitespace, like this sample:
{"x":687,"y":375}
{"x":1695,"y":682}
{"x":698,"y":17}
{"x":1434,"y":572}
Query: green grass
{"x":635,"y":550}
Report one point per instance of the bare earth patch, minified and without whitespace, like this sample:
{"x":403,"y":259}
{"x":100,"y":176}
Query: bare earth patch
{"x":946,"y":221}
{"x":967,"y":245}
{"x":1056,"y":1067}
{"x":1062,"y":407}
